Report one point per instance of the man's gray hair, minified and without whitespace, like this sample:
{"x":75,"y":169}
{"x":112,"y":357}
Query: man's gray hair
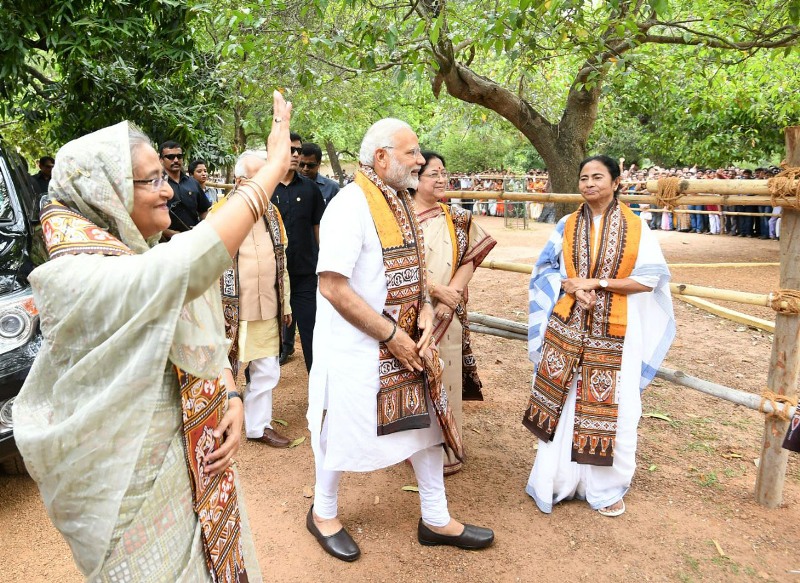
{"x":240,"y":171}
{"x":379,"y":135}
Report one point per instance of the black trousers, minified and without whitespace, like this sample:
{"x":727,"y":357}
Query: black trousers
{"x":304,"y":311}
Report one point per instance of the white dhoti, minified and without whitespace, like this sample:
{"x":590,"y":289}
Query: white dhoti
{"x":555,"y":478}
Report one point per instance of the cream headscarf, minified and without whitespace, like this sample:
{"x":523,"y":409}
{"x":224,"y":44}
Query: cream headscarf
{"x":94,"y":176}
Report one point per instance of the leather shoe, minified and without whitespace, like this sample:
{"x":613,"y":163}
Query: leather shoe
{"x":473,"y":537}
{"x":340,"y":545}
{"x":272,"y":438}
{"x":284,"y":357}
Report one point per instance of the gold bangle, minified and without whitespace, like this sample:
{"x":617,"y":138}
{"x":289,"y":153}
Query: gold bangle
{"x":249,"y":204}
{"x":260,"y":192}
{"x":263,"y":193}
{"x":255,"y":199}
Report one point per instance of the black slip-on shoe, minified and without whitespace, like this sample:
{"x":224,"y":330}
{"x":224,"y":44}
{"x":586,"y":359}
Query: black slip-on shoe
{"x":472,"y":539}
{"x":340,"y":545}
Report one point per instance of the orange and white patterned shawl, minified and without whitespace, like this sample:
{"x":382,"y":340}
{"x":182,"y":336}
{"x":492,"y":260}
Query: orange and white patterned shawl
{"x":589,"y":341}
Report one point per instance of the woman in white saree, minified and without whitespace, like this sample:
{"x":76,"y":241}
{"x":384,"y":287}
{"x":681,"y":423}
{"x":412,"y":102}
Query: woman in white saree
{"x":124,"y":421}
{"x":600,"y":324}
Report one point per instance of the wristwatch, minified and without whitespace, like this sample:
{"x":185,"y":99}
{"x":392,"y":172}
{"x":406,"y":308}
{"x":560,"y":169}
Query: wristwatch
{"x":603,"y":283}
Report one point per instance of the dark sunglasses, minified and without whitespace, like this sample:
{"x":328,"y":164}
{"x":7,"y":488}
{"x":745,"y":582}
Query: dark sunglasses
{"x":296,"y":149}
{"x":308,"y":164}
{"x":173,"y":156}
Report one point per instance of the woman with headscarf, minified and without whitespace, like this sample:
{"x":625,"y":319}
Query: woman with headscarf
{"x":454,"y":247}
{"x":125,"y":420}
{"x":600,"y":324}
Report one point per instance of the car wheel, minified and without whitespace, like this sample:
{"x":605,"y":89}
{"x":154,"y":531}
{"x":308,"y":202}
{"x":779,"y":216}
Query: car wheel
{"x":13,"y":466}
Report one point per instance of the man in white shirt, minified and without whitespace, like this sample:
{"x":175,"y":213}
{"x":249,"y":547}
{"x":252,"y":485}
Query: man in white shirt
{"x":363,"y":352}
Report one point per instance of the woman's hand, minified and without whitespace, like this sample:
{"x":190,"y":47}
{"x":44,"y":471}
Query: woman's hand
{"x":447,"y":295}
{"x":586,"y":299}
{"x":230,"y":426}
{"x":574,"y":284}
{"x":425,"y":323}
{"x":444,"y":312}
{"x":278,"y":145}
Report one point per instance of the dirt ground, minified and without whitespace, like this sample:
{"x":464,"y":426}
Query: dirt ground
{"x":691,"y":513}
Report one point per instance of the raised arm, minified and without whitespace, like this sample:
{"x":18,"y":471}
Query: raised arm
{"x":234,"y":220}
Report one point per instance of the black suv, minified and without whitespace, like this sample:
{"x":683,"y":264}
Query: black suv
{"x":20,"y":337}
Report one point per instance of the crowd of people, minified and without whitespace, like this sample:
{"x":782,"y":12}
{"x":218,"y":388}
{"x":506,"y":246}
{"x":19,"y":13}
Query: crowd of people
{"x":746,"y":221}
{"x":166,"y":312}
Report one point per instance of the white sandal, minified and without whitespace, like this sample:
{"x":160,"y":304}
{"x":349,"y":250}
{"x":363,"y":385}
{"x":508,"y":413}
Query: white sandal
{"x":613,"y":513}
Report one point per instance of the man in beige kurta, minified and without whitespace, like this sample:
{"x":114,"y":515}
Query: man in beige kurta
{"x":260,"y":313}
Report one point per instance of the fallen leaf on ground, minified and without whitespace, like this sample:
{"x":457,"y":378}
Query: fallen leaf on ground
{"x":297,"y":442}
{"x":732,"y":456}
{"x":377,"y":500}
{"x":658,"y":416}
{"x":475,"y":430}
{"x":308,"y":492}
{"x":410,"y":489}
{"x":719,"y":548}
{"x":281,"y":422}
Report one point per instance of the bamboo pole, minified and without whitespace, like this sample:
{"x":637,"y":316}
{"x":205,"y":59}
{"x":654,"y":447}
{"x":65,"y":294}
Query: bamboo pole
{"x":678,"y":211}
{"x":507,"y":266}
{"x":734,"y":187}
{"x":784,"y":366}
{"x":749,"y":400}
{"x":222,"y":185}
{"x":726,"y":295}
{"x":480,"y":329}
{"x":722,"y":200}
{"x":729,"y":314}
{"x":499,"y":323}
{"x":723,"y":265}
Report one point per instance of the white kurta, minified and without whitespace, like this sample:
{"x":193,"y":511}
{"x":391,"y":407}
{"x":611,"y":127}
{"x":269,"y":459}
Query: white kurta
{"x":344,"y":377}
{"x":554,"y":476}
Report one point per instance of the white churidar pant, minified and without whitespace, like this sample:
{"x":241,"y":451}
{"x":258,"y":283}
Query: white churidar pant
{"x":264,"y":376}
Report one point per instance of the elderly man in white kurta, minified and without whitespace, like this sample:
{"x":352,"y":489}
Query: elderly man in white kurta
{"x":361,"y":346}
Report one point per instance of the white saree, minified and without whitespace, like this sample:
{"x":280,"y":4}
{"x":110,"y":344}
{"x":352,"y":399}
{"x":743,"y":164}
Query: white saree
{"x":649,"y":333}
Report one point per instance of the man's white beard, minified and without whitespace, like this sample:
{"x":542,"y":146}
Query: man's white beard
{"x":399,"y":177}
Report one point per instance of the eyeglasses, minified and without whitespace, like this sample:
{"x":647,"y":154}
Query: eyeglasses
{"x":308,"y":165}
{"x":416,"y":152}
{"x":296,"y":149}
{"x":435,"y":176}
{"x":155,"y":183}
{"x":172,"y":156}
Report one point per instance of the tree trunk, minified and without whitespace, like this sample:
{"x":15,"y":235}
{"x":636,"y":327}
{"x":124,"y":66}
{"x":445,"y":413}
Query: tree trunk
{"x":333,"y":157}
{"x":562,"y":169}
{"x":562,"y":145}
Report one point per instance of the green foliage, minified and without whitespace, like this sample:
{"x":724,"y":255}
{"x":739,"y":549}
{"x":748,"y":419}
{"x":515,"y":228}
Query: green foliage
{"x":716,"y":114}
{"x":67,"y":68}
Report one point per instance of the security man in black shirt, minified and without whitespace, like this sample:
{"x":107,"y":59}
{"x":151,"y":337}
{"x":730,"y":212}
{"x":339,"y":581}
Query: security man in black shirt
{"x":301,"y":205}
{"x":188,"y":205}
